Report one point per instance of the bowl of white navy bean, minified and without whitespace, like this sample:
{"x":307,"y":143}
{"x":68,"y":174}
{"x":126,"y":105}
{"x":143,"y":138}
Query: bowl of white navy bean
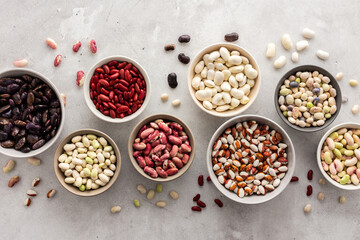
{"x":250,"y":159}
{"x":308,"y":98}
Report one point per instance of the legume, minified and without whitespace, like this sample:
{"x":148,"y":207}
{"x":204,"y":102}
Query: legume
{"x":280,"y":62}
{"x":271,"y":50}
{"x":164,"y":97}
{"x":308,"y":33}
{"x":174,"y":195}
{"x":172,"y":80}
{"x":353,"y":83}
{"x":302,"y":45}
{"x":150,"y":194}
{"x":323,"y":55}
{"x":339,"y":76}
{"x":355,"y":109}
{"x":184,"y":38}
{"x":231,"y":37}
{"x":295,"y":57}
{"x":322,"y":181}
{"x":169,"y":47}
{"x":286,"y":41}
{"x":136,"y":203}
{"x":159,"y":187}
{"x":250,"y":158}
{"x":321,"y":196}
{"x":307,"y":208}
{"x":342,"y":199}
{"x":307,"y":99}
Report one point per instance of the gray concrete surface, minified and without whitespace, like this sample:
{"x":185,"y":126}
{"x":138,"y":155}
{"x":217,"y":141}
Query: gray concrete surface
{"x":139,"y":29}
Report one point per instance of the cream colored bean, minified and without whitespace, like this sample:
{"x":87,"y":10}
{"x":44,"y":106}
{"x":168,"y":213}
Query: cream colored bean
{"x":302,"y":45}
{"x":294,"y":57}
{"x":308,"y":33}
{"x":353,"y":82}
{"x":176,"y":102}
{"x":339,"y":76}
{"x":270,"y":50}
{"x":115,"y":209}
{"x":286,"y":41}
{"x":323,"y":55}
{"x":280,"y":62}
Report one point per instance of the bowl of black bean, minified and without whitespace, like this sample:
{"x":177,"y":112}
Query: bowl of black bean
{"x":31,"y":113}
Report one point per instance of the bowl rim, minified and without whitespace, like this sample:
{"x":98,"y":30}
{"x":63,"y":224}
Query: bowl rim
{"x":10,"y":152}
{"x":334,"y":83}
{"x":168,"y":117}
{"x":255,"y":199}
{"x":256,"y":89}
{"x":86,"y":89}
{"x":60,"y":175}
{"x":318,"y":152}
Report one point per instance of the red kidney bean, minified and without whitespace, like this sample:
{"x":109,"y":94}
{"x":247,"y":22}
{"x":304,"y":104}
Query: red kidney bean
{"x":196,"y":198}
{"x":219,"y":202}
{"x":294,"y":179}
{"x":309,"y":190}
{"x":208,"y":179}
{"x":201,"y":180}
{"x":201,"y":204}
{"x":310,"y":174}
{"x":118,"y":89}
{"x":196,"y":209}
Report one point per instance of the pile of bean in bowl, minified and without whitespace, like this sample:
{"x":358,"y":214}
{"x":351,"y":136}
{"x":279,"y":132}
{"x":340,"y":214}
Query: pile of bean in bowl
{"x":30,"y":113}
{"x":162,"y":148}
{"x":307,"y":99}
{"x":88,"y":162}
{"x":223,"y":80}
{"x":340,"y":156}
{"x":117,"y":89}
{"x":250,"y":158}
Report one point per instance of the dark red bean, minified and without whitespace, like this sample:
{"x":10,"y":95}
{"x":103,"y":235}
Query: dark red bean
{"x":218,"y":202}
{"x":231,"y":37}
{"x":310,"y":174}
{"x":208,"y":179}
{"x":184,"y":38}
{"x":196,"y":209}
{"x":183,"y":58}
{"x":294,"y":179}
{"x":309,"y":190}
{"x":201,"y":204}
{"x":196,"y":198}
{"x":172,"y":80}
{"x":201,"y":180}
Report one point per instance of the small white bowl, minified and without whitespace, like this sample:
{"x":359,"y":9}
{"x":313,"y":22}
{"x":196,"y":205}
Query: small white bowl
{"x":253,"y":199}
{"x":91,"y":105}
{"x":11,"y":152}
{"x":253,"y":91}
{"x":318,"y":152}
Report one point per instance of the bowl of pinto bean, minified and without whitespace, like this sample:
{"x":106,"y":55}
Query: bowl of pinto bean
{"x":117,"y":89}
{"x":161,"y":147}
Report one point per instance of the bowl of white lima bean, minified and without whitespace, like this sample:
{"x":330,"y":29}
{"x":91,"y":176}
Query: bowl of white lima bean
{"x":308,"y":98}
{"x":87,"y":162}
{"x":223,"y":79}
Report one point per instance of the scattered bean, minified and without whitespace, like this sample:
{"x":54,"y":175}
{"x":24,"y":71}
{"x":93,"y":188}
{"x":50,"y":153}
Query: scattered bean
{"x":13,"y":181}
{"x":92,"y":46}
{"x":164,"y":97}
{"x":172,"y":80}
{"x":196,"y":198}
{"x":339,"y":76}
{"x":355,"y":109}
{"x":308,"y":33}
{"x":208,"y":179}
{"x":322,"y":181}
{"x":280,"y":62}
{"x":136,"y":203}
{"x":294,"y":179}
{"x":286,"y":41}
{"x":174,"y":195}
{"x":161,"y":204}
{"x":51,"y":43}
{"x":35,"y":182}
{"x":9,"y":166}
{"x":115,"y":209}
{"x":76,"y":46}
{"x":57,"y":60}
{"x":80,"y":78}
{"x":271,"y":50}
{"x":294,"y":57}
{"x":51,"y":193}
{"x":342,"y":199}
{"x":34,"y":161}
{"x":344,"y":99}
{"x":353,"y":83}
{"x":321,"y":54}
{"x":184,"y":38}
{"x":310,"y":174}
{"x":20,"y":63}
{"x":159,"y":187}
{"x":321,"y":196}
{"x":183,"y":58}
{"x":201,"y":180}
{"x":150,"y":194}
{"x":309,"y":190}
{"x":196,"y":209}
{"x":31,"y":193}
{"x":301,"y":45}
{"x":231,"y":37}
{"x":307,"y":208}
{"x":27,"y":202}
{"x":141,"y":188}
{"x":169,"y":47}
{"x":218,"y":202}
{"x":201,"y":204}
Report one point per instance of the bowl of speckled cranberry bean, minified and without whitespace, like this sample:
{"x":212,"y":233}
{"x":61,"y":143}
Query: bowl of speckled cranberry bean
{"x":308,"y":98}
{"x":31,"y":113}
{"x":250,"y":159}
{"x":161,"y":147}
{"x":117,"y":89}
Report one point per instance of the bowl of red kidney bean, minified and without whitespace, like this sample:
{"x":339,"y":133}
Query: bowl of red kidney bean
{"x":250,"y":159}
{"x":161,"y":147}
{"x":31,"y":113}
{"x":117,"y":89}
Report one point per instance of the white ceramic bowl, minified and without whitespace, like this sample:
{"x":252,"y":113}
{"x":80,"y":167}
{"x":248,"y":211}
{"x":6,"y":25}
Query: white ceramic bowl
{"x":91,"y":105}
{"x":253,"y":92}
{"x":318,"y":152}
{"x":11,"y":152}
{"x":253,"y":199}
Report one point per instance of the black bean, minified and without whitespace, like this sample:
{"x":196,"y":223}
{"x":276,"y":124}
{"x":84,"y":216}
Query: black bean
{"x":184,"y":38}
{"x":3,"y":135}
{"x":183,"y":58}
{"x":169,"y":47}
{"x":231,"y":37}
{"x":30,"y":98}
{"x":172,"y":80}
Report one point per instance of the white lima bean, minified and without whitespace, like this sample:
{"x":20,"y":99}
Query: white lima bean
{"x":355,"y":109}
{"x":302,"y":45}
{"x":339,"y":76}
{"x":280,"y":62}
{"x":85,"y":162}
{"x":164,"y":97}
{"x":286,"y":41}
{"x":294,"y":57}
{"x":308,"y":33}
{"x":270,"y":50}
{"x":176,"y":102}
{"x":323,"y":55}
